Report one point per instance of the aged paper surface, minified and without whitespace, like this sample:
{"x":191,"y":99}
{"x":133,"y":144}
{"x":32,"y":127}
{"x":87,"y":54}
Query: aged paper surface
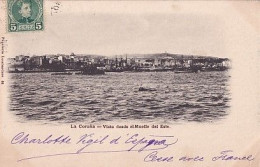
{"x":179,"y":84}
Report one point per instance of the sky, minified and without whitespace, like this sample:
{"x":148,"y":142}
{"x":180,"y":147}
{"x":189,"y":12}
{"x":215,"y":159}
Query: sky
{"x":125,"y":28}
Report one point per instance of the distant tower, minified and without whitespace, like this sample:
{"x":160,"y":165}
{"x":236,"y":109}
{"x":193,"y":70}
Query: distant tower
{"x":121,"y":62}
{"x":166,"y":54}
{"x":116,"y":62}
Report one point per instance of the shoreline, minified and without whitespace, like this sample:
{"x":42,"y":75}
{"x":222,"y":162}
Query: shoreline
{"x":131,"y":71}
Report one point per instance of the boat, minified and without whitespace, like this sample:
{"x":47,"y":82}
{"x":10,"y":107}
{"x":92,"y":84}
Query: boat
{"x":91,"y":70}
{"x":142,"y":89}
{"x":62,"y":73}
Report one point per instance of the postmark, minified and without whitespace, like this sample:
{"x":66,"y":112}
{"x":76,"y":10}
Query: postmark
{"x":25,"y":15}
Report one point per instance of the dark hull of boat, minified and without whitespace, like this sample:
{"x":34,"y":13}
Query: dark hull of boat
{"x":98,"y":72}
{"x":95,"y":73}
{"x":62,"y":73}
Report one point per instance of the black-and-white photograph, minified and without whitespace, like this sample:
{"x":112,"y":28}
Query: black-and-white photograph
{"x":129,"y":83}
{"x":163,"y":68}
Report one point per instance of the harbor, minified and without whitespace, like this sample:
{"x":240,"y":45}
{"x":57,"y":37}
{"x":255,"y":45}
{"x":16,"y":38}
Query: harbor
{"x":89,"y":88}
{"x":94,"y":64}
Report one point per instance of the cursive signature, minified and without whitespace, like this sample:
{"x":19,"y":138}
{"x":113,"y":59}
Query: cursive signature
{"x":22,"y":138}
{"x":130,"y":143}
{"x":91,"y":143}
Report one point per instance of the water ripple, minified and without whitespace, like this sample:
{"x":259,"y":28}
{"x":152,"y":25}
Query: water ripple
{"x":115,"y":96}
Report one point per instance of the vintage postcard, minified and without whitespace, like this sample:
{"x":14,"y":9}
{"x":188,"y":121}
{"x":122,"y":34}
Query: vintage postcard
{"x":129,"y":83}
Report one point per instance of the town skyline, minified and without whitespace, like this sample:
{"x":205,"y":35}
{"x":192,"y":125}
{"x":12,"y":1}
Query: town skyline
{"x":129,"y":55}
{"x":119,"y":63}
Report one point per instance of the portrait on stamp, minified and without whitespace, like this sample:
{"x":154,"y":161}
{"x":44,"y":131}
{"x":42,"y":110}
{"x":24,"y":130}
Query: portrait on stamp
{"x":25,"y":11}
{"x":25,"y":15}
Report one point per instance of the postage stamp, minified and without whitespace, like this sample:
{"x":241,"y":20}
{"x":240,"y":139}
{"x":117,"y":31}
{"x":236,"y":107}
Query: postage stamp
{"x":25,"y":15}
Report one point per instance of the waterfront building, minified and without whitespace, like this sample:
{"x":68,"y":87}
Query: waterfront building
{"x":140,"y":61}
{"x":157,"y":62}
{"x":36,"y":61}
